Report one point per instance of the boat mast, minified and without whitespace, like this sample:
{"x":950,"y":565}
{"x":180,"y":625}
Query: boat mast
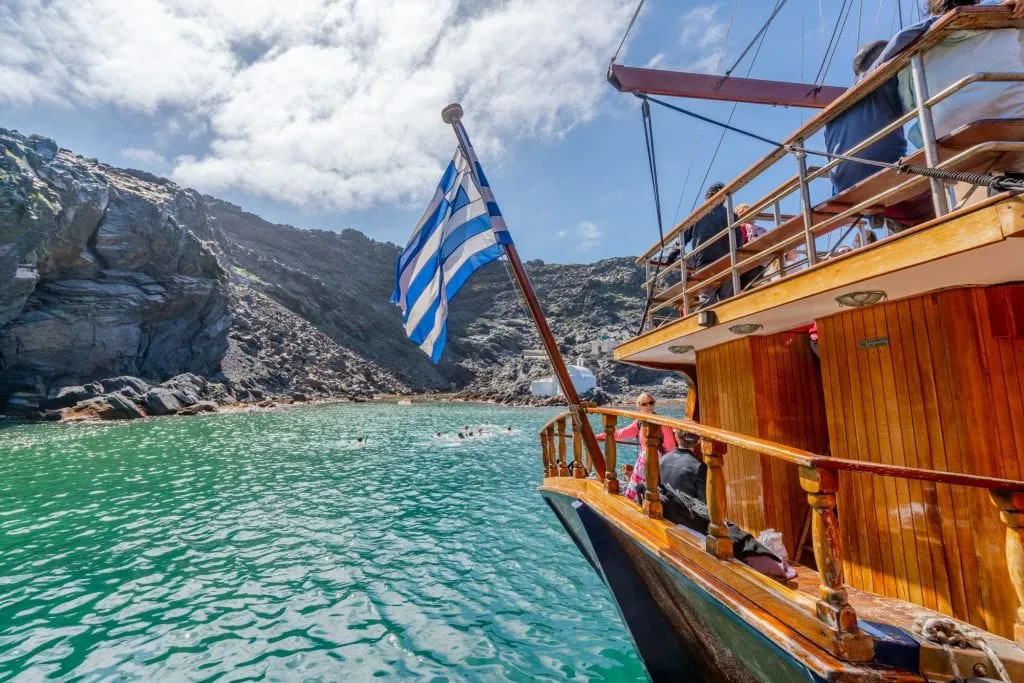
{"x":452,"y":114}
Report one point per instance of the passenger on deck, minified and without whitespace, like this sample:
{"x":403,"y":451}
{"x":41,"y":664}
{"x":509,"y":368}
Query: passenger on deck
{"x":961,"y":54}
{"x":682,"y":469}
{"x":700,"y":233}
{"x":864,"y":119}
{"x":751,"y":230}
{"x":872,"y":113}
{"x":645,"y":403}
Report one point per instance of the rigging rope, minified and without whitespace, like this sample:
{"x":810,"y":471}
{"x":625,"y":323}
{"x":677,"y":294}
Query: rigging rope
{"x":833,"y":42}
{"x":760,"y":33}
{"x":878,"y":15}
{"x":629,"y":28}
{"x":1000,"y":183}
{"x":950,"y":634}
{"x":732,"y":112}
{"x":707,"y":108}
{"x":652,"y":166}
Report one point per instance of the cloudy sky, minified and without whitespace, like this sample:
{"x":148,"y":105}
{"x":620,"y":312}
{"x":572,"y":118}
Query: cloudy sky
{"x":325,"y":113}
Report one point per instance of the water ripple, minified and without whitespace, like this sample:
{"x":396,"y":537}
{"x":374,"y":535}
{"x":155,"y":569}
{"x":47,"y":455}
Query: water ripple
{"x":274,"y":546}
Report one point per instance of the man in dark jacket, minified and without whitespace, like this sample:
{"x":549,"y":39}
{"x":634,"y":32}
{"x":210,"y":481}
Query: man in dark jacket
{"x":682,"y":469}
{"x":700,"y":233}
{"x":875,"y":111}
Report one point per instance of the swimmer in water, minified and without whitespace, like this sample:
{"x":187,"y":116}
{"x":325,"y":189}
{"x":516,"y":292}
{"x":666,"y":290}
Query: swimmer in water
{"x":438,"y":435}
{"x":509,"y":428}
{"x":359,"y":439}
{"x":461,"y":435}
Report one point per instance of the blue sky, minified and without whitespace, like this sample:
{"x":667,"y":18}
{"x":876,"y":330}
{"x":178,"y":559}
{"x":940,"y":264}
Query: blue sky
{"x":329,"y":118}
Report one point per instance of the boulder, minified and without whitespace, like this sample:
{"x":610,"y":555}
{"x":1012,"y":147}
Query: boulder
{"x":65,"y":397}
{"x":109,"y":407}
{"x":130,"y":386}
{"x":23,"y":402}
{"x":161,"y":401}
{"x":201,"y":407}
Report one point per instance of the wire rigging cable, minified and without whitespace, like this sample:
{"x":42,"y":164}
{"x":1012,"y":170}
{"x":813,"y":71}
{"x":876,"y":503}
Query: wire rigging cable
{"x":629,"y":28}
{"x":760,"y":33}
{"x":707,"y":108}
{"x":652,"y":167}
{"x":1000,"y":183}
{"x":833,"y":42}
{"x":732,"y":111}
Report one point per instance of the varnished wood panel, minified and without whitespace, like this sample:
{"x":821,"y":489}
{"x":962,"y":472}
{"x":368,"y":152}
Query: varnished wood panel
{"x":768,"y":387}
{"x":944,"y":393}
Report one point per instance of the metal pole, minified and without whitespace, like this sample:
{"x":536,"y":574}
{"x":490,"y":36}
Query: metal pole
{"x":927,"y":125}
{"x":805,"y":201}
{"x":730,"y":219}
{"x":683,"y":275}
{"x":777,"y":211}
{"x":452,"y":114}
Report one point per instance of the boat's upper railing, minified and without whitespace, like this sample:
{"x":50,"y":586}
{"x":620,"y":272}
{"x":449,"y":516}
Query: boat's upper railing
{"x":819,"y":477}
{"x":800,"y":232}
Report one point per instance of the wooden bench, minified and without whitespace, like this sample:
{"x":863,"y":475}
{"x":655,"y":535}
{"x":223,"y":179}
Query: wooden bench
{"x":959,"y":141}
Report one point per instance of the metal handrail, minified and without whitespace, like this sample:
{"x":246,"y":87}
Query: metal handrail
{"x":922,"y":111}
{"x":961,"y":18}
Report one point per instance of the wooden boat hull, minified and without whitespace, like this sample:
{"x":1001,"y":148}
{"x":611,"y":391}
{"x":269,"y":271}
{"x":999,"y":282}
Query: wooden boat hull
{"x":680,"y":630}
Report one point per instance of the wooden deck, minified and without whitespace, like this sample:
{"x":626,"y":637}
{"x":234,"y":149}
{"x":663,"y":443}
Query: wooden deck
{"x":785,"y":613}
{"x":976,"y":245}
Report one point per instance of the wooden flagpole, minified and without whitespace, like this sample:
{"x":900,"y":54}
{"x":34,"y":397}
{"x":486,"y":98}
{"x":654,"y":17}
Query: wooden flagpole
{"x":452,"y":114}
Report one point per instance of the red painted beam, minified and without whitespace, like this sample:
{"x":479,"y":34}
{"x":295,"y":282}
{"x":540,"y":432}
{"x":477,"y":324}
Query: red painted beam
{"x":710,"y":87}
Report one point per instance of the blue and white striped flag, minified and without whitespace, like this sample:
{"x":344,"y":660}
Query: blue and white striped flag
{"x":461,"y":230}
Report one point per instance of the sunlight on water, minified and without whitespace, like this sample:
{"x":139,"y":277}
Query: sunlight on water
{"x":275,"y":545}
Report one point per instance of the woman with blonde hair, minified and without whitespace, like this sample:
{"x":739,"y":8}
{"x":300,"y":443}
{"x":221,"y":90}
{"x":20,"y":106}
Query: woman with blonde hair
{"x":645,"y":403}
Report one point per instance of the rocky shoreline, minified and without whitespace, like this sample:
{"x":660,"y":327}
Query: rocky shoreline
{"x":124,"y":295}
{"x":130,"y":398}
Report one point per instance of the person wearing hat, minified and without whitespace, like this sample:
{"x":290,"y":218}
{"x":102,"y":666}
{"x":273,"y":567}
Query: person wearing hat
{"x":682,"y":469}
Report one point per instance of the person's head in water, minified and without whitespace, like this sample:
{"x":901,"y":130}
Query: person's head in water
{"x":509,"y":428}
{"x":645,"y":402}
{"x":867,"y":55}
{"x":461,"y":435}
{"x":359,"y":439}
{"x":437,"y":434}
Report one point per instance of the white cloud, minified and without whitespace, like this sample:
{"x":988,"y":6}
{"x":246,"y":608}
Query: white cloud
{"x":703,"y":38}
{"x":333,"y":104}
{"x":149,"y":159}
{"x":586,"y":235}
{"x":656,"y":62}
{"x":589,"y":235}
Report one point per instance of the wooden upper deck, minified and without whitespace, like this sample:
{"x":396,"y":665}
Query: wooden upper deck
{"x":978,"y":245}
{"x":969,"y":244}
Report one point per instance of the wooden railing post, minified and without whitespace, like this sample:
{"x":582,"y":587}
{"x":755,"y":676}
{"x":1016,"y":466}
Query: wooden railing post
{"x":1011,"y":512}
{"x":578,"y":472}
{"x":563,"y":470}
{"x":652,"y":469}
{"x":611,"y":483}
{"x":544,"y":453}
{"x":833,"y":607}
{"x":549,"y":440}
{"x":717,"y":541}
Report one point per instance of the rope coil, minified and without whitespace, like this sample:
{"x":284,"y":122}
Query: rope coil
{"x":950,"y":634}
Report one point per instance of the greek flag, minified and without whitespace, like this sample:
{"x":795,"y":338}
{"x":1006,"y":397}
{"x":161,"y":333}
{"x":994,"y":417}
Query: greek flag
{"x":461,"y":230}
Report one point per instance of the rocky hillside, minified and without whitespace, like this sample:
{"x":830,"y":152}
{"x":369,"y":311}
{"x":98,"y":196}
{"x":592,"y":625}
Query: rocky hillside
{"x":108,"y":272}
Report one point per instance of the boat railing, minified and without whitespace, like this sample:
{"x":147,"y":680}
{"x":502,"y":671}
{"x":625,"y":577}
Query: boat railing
{"x":819,"y":478}
{"x":677,"y":288}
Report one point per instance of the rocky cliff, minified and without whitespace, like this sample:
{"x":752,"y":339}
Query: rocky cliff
{"x":109,"y":272}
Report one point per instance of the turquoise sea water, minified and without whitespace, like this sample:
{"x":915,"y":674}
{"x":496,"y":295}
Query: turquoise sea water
{"x":272,"y":546}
